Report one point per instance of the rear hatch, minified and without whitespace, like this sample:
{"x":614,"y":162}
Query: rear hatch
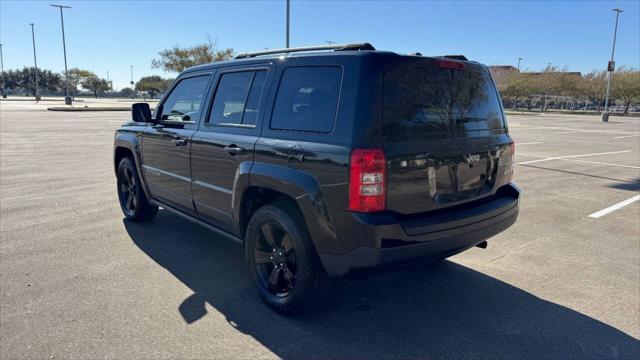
{"x":444,"y":134}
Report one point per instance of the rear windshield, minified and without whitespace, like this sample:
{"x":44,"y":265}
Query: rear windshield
{"x":428,"y":101}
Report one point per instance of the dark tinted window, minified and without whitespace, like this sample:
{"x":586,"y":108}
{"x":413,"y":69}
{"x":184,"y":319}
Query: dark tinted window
{"x":307,"y":99}
{"x":253,"y":100}
{"x":430,"y":101}
{"x":185,"y":101}
{"x":237,"y":98}
{"x":228,"y":103}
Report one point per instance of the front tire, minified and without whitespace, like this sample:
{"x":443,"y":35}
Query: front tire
{"x":282,"y":261}
{"x":133,"y":201}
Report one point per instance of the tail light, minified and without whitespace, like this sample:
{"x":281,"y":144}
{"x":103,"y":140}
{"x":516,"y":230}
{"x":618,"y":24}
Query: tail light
{"x":367,"y":182}
{"x":513,"y":159}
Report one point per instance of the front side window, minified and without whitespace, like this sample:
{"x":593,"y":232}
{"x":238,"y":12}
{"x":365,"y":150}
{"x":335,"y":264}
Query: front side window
{"x":238,"y":98}
{"x":185,"y":101}
{"x":307,"y":99}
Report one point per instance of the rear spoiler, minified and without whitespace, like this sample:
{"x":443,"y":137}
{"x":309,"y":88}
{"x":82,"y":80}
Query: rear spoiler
{"x":454,"y":57}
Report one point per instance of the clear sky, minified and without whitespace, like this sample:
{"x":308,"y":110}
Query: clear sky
{"x":111,"y":35}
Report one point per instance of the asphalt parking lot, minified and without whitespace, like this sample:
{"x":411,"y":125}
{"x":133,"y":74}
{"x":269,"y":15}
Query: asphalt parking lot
{"x":77,"y":281}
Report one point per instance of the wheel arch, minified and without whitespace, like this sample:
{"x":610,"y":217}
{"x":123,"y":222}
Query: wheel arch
{"x":256,"y":197}
{"x":272,"y":183}
{"x":127,"y":144}
{"x":120,"y":153}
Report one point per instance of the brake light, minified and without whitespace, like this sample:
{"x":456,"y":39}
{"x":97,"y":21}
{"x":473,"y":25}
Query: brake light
{"x":367,"y":181}
{"x":513,"y":159}
{"x":448,"y":64}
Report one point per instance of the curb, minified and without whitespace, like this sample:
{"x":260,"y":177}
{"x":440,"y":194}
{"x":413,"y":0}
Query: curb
{"x":577,"y":112}
{"x":104,"y":108}
{"x":521,"y":113}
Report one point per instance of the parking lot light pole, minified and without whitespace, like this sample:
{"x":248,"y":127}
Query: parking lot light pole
{"x":4,"y":96}
{"x":133,"y":88}
{"x":35,"y":62}
{"x":288,"y":12}
{"x":519,"y":59}
{"x":67,"y":98}
{"x":610,"y":69}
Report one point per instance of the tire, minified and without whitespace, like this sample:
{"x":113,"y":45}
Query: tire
{"x":300,"y":281}
{"x":133,"y":201}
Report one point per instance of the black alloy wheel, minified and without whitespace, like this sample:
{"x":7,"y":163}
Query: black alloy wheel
{"x":133,"y":201}
{"x":282,"y":260}
{"x":275,"y":259}
{"x":128,"y":191}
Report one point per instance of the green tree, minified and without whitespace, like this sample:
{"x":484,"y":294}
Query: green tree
{"x":76,"y":77}
{"x":95,"y":84}
{"x":152,"y":85}
{"x":126,"y":92}
{"x":23,"y":81}
{"x":626,"y":86}
{"x":179,"y":58}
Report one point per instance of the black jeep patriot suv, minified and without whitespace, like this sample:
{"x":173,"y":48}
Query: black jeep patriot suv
{"x":325,"y":160}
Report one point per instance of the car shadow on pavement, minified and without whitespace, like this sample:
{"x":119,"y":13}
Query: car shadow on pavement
{"x":631,"y":185}
{"x":442,"y":310}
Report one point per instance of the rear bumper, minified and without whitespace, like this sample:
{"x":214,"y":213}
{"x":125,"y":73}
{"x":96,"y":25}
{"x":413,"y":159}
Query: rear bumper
{"x":393,"y":241}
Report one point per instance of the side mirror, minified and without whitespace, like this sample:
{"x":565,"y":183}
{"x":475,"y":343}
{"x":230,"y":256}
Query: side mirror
{"x":140,"y":112}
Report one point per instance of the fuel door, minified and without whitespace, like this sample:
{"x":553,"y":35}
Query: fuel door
{"x":295,"y":156}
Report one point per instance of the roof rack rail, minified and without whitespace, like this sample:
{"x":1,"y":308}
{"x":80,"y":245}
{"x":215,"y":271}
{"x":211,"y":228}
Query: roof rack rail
{"x":343,"y":47}
{"x":455,"y":57}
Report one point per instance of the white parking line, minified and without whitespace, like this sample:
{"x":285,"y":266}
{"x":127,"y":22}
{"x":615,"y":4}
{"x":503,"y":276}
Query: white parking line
{"x":625,"y":136}
{"x":615,"y":207}
{"x":568,"y":156}
{"x":569,"y":129}
{"x":529,"y":143}
{"x":535,"y":156}
{"x":601,"y":163}
{"x":584,"y":161}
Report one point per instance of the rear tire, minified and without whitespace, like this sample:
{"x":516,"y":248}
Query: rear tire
{"x":133,"y":201}
{"x":282,"y":261}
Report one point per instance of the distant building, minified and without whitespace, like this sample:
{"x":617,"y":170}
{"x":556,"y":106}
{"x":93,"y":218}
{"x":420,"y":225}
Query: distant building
{"x":570,"y":73}
{"x":501,"y":68}
{"x":502,"y":73}
{"x":498,"y":71}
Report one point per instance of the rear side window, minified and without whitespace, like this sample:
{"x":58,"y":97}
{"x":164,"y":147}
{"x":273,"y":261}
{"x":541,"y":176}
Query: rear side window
{"x":428,"y":101}
{"x":253,"y":100}
{"x":237,"y":98}
{"x":185,"y":101}
{"x":307,"y":99}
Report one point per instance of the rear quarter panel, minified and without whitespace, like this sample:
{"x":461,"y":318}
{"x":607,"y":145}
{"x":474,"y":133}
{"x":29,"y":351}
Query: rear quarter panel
{"x":320,"y":182}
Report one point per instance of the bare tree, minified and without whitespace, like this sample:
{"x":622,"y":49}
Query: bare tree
{"x":594,"y":86}
{"x":626,"y":86}
{"x":179,"y":58}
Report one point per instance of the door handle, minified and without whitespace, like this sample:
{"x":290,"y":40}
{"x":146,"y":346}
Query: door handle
{"x":179,"y":142}
{"x":234,"y":150}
